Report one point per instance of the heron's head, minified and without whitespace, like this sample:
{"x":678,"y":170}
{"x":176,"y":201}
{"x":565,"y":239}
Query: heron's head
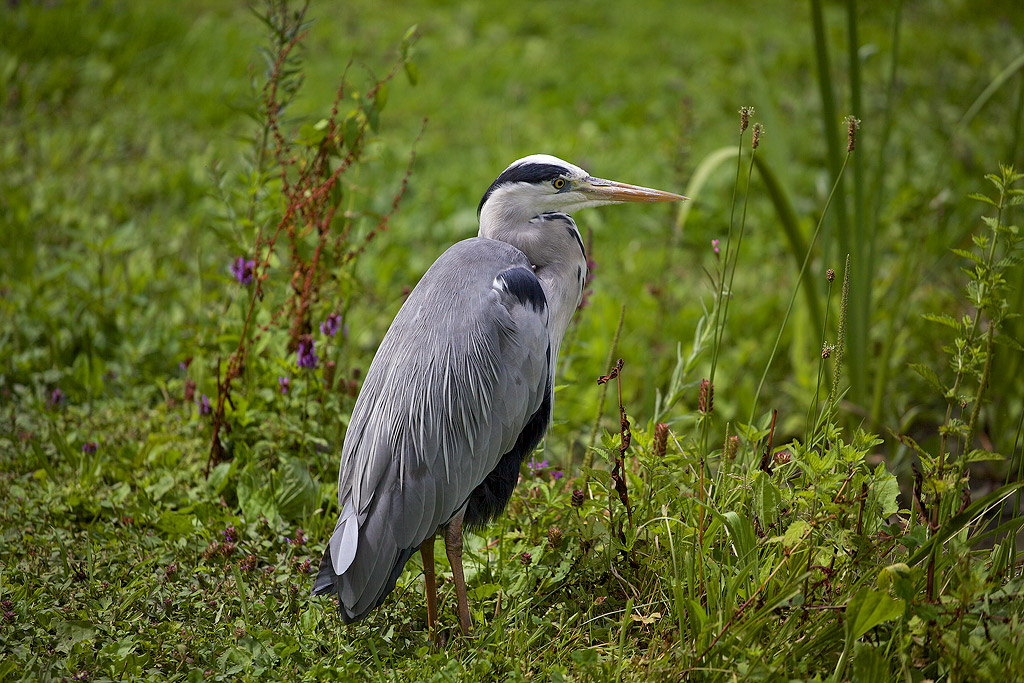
{"x":541,"y":183}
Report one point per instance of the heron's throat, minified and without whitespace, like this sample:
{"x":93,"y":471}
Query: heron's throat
{"x":553,"y":245}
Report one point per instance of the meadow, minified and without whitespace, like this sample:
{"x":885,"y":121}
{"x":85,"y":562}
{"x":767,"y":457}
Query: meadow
{"x":809,"y":464}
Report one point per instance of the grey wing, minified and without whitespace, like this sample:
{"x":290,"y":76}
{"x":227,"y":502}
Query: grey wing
{"x":457,"y":377}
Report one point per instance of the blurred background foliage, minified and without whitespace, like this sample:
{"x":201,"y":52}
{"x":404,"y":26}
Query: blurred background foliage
{"x":127,"y":157}
{"x":116,"y":113}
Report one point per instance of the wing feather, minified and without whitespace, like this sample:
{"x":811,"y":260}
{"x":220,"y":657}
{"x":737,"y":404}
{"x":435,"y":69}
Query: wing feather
{"x":457,"y":377}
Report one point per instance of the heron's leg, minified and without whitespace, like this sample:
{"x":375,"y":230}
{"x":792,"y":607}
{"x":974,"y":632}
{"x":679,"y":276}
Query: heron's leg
{"x":453,"y":544}
{"x":427,"y":553}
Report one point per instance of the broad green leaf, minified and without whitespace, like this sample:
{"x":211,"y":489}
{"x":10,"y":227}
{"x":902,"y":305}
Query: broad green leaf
{"x":296,"y":490}
{"x":869,"y":664}
{"x":175,"y":524}
{"x":867,"y":609}
{"x":767,"y":499}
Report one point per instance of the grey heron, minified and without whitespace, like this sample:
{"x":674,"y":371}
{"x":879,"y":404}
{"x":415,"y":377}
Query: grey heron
{"x":459,"y":392}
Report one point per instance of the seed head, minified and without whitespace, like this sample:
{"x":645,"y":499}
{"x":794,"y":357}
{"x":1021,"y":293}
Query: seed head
{"x":826,"y":350}
{"x":745,"y":113}
{"x":706,"y":397}
{"x":577,"y":498}
{"x":525,"y":559}
{"x":782,"y":457}
{"x":830,"y":275}
{"x":554,"y":536}
{"x":190,"y":389}
{"x":732,"y":444}
{"x":660,"y":440}
{"x":852,"y":126}
{"x":756,"y":139}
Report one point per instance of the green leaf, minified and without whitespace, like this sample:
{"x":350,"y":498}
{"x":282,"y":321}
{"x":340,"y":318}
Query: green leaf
{"x":869,"y":664}
{"x":795,"y":533}
{"x":981,"y":455}
{"x":412,"y":73}
{"x":943,"y":319}
{"x":485,"y":591}
{"x":175,"y":524}
{"x":742,"y":534}
{"x":867,"y":609}
{"x":255,"y":495}
{"x":969,"y":255}
{"x":929,"y":376}
{"x":76,"y":631}
{"x":767,"y":499}
{"x":296,"y":491}
{"x":587,"y":657}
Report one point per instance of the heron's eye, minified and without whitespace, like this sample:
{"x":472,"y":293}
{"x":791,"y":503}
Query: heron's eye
{"x":559,"y":183}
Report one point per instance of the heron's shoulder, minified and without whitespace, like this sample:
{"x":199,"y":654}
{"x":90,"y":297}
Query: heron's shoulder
{"x":483,"y":252}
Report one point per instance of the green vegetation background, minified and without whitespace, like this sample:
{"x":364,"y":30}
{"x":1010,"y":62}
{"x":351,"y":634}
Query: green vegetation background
{"x":116,"y":118}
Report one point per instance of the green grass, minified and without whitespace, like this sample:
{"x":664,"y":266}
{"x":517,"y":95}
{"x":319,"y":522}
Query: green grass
{"x":130,"y":184}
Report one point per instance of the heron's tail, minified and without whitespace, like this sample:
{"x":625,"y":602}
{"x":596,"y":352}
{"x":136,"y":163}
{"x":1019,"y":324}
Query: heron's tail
{"x":361,"y":581}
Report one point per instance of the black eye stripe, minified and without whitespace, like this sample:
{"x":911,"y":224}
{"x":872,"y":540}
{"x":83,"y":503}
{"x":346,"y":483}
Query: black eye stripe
{"x":524,"y":173}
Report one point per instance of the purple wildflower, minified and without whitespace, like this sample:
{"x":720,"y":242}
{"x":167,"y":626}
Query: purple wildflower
{"x":89,"y":447}
{"x":556,"y":475}
{"x":204,"y":405}
{"x":307,"y":353}
{"x":230,"y":534}
{"x":56,"y":398}
{"x":537,"y":467}
{"x":331,"y":326}
{"x":243,"y":269}
{"x":284,"y":383}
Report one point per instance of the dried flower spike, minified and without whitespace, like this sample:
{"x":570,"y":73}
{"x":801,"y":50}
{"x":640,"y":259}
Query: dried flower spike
{"x":732,"y":445}
{"x":852,"y":126}
{"x":660,"y":440}
{"x":706,"y":397}
{"x":826,"y":350}
{"x":756,"y":140}
{"x":830,"y":275}
{"x":745,"y":113}
{"x":577,"y":498}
